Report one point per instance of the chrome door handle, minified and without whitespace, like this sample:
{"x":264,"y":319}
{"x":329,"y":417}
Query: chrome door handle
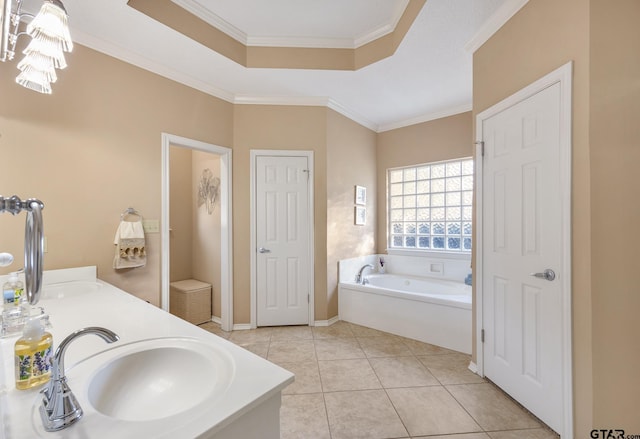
{"x":264,"y":250}
{"x":547,"y":274}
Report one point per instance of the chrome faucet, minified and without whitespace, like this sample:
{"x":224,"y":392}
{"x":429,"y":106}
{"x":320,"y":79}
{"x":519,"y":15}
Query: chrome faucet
{"x":359,"y":278}
{"x":60,"y":408}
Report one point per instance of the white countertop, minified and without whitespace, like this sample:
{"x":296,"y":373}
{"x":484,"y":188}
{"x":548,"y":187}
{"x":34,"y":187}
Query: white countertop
{"x":74,"y":299}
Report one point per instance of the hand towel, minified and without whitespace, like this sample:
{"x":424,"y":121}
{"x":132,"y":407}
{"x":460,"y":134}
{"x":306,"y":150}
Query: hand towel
{"x":130,"y":245}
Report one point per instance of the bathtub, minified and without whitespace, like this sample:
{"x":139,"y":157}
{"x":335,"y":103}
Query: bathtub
{"x":426,"y":309}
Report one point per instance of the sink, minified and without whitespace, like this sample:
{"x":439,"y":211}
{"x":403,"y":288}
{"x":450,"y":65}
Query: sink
{"x":158,"y":378}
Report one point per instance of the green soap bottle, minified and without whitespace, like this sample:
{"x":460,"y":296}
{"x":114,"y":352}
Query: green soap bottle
{"x":33,"y":353}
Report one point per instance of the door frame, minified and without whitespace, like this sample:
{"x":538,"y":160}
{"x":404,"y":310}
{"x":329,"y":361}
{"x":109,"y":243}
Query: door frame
{"x":226,"y":238}
{"x":563,"y":76}
{"x":255,"y":153}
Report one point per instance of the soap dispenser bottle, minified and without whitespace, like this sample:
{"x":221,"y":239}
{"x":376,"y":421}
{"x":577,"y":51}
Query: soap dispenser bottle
{"x":12,"y":290}
{"x":33,"y":355}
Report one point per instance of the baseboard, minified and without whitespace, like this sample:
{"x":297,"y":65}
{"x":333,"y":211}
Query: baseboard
{"x":473,"y":367}
{"x":241,"y":326}
{"x":216,"y":319}
{"x":329,"y":322}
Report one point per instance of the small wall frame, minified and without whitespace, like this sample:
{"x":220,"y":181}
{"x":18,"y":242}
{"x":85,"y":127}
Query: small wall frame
{"x":361,"y":195}
{"x":360,"y":216}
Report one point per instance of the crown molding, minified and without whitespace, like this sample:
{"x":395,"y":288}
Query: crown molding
{"x":214,"y":20}
{"x":145,"y":63}
{"x":300,"y":101}
{"x":425,"y":118}
{"x":335,"y":106}
{"x":503,"y":14}
{"x":195,"y":8}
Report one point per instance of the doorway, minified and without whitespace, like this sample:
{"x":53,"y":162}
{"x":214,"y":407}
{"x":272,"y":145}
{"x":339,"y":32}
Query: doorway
{"x":523,"y":288}
{"x":212,"y":199}
{"x":282,"y":238}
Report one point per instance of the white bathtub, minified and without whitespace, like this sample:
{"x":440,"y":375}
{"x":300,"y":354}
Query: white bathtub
{"x":430,"y":310}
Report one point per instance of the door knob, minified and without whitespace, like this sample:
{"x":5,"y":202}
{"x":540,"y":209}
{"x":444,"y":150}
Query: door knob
{"x":547,"y":274}
{"x":264,"y":250}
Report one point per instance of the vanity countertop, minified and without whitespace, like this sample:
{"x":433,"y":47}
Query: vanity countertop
{"x":74,"y":299}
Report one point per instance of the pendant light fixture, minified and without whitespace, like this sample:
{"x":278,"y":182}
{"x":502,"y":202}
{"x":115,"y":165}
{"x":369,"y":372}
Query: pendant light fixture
{"x":50,"y":39}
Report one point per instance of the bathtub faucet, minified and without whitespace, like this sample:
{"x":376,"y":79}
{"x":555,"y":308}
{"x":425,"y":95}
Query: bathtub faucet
{"x":360,"y":279}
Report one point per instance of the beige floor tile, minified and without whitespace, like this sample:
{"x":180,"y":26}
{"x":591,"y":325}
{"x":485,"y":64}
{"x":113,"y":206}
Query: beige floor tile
{"x":402,"y":372}
{"x":451,"y":368}
{"x":456,"y":436}
{"x":419,"y":348}
{"x":366,"y":414}
{"x":338,"y":349}
{"x":251,"y":336}
{"x":307,"y":378}
{"x":430,"y":411}
{"x":303,"y":417}
{"x":337,"y":330}
{"x":259,"y":348}
{"x":383,"y":347}
{"x":363,"y":331}
{"x":291,"y":333}
{"x":491,"y":408}
{"x":215,"y":329}
{"x":291,"y":351}
{"x":339,"y":375}
{"x":537,"y":433}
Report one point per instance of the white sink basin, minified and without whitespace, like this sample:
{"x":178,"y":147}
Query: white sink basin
{"x":156,"y":379}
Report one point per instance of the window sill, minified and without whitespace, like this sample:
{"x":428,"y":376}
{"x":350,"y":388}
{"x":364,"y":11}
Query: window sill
{"x":430,"y":254}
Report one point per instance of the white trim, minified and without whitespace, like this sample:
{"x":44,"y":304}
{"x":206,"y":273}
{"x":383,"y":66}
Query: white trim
{"x":302,"y":101}
{"x":329,"y":322}
{"x":226,"y":209}
{"x":473,"y":367}
{"x":241,"y":36}
{"x":563,"y":76}
{"x":351,"y":115}
{"x":213,"y":19}
{"x":254,"y":154}
{"x":425,"y":118}
{"x":241,"y":327}
{"x":216,"y":319}
{"x":503,"y":14}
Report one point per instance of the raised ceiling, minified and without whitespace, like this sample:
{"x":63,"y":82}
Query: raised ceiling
{"x":300,"y":23}
{"x":429,"y":75}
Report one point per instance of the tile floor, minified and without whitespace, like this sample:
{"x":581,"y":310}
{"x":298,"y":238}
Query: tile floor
{"x":355,"y":382}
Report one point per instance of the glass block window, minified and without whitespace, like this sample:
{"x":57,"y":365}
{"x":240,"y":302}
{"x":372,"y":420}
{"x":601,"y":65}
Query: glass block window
{"x":430,"y":206}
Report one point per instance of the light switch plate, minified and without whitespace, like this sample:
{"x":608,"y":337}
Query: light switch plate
{"x":151,"y":226}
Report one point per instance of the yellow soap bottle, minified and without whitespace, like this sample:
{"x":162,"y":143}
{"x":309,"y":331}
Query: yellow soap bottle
{"x":33,"y":353}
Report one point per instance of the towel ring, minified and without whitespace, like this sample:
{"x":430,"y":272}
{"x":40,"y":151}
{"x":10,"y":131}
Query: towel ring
{"x":130,"y":211}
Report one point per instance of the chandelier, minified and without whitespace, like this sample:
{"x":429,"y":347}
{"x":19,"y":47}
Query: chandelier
{"x":50,"y":38}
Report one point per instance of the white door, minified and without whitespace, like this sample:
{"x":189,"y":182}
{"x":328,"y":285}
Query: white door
{"x":522,"y":235}
{"x":282,"y":238}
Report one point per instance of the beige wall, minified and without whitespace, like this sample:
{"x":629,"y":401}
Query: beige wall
{"x":180,"y":213}
{"x":351,"y":161}
{"x":276,"y":128}
{"x":441,"y":139}
{"x":543,"y":36}
{"x":206,"y":256}
{"x":614,"y":143}
{"x":92,"y":149}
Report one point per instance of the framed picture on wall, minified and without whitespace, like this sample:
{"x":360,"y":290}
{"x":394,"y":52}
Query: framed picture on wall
{"x":361,"y":195}
{"x":360,"y":216}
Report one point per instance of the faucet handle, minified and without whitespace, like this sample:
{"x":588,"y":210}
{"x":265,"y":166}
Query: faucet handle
{"x":61,"y":411}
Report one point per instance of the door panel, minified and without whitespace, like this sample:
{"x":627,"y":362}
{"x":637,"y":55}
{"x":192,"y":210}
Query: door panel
{"x":282,"y":237}
{"x":522,"y":229}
